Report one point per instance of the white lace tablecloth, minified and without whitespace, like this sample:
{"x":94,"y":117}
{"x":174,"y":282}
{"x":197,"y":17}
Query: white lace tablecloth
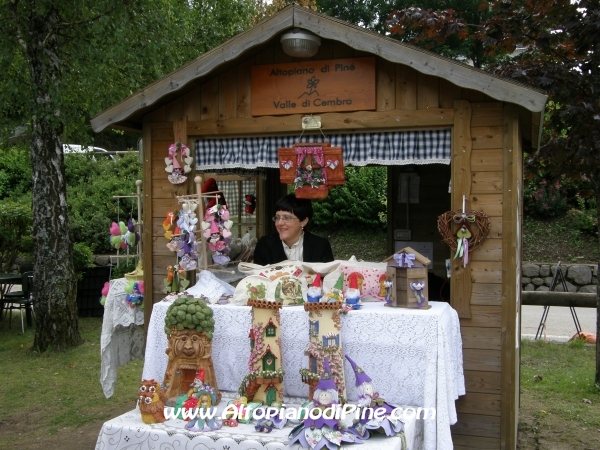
{"x":122,"y":338}
{"x":413,"y":356}
{"x":129,"y":432}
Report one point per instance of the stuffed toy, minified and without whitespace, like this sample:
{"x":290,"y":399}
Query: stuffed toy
{"x":176,"y":173}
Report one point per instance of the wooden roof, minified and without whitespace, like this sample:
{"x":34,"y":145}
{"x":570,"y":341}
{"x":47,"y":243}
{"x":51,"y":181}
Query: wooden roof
{"x":128,"y":113}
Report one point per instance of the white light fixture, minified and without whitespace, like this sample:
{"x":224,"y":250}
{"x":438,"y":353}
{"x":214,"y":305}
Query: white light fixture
{"x":300,"y":43}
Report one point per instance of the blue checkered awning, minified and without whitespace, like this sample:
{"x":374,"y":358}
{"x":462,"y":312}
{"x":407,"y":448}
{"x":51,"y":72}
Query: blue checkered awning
{"x":394,"y":148}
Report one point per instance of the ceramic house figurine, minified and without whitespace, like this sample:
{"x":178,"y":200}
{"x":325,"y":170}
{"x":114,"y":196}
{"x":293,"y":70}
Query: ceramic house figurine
{"x":407,"y":273}
{"x":264,"y":382}
{"x":324,"y":334}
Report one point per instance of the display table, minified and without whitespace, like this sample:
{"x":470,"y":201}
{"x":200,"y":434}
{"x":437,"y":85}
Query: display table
{"x":413,"y":356}
{"x":122,"y":338}
{"x":129,"y":432}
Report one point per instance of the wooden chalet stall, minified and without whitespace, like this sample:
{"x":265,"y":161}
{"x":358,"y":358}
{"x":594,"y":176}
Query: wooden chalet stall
{"x":486,"y":123}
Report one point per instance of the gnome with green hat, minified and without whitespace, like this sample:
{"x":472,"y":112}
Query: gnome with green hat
{"x":336,"y":293}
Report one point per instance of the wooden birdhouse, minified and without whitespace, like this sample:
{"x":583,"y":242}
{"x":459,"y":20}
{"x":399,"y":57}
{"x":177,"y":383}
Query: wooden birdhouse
{"x":406,"y":284}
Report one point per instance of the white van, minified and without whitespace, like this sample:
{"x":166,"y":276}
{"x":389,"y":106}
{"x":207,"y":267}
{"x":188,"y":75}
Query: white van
{"x":75,"y":148}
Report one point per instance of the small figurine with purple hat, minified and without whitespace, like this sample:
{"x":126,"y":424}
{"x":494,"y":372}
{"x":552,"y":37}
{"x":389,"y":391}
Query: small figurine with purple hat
{"x":369,"y":398}
{"x":324,"y":430}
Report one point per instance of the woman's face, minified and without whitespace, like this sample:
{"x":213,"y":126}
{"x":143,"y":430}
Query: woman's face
{"x":289,"y":230}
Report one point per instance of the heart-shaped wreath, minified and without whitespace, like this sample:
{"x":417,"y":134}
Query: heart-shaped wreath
{"x":475,"y":223}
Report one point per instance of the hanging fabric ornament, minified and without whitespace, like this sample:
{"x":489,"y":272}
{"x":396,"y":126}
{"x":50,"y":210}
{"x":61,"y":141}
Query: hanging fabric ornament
{"x":123,"y":236}
{"x":249,"y":204}
{"x":462,"y":244}
{"x":104,"y":293}
{"x":176,"y":173}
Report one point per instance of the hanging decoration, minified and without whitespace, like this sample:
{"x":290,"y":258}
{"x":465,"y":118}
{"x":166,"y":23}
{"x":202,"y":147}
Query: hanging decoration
{"x":312,"y":168}
{"x":471,"y":228}
{"x":176,"y":173}
{"x":249,"y":203}
{"x":123,"y":236}
{"x":217,"y":226}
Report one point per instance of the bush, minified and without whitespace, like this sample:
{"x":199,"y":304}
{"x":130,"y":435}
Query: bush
{"x":15,"y":173}
{"x":362,"y":200}
{"x":585,"y":217}
{"x":545,"y":199}
{"x":83,"y":257}
{"x":15,"y":233}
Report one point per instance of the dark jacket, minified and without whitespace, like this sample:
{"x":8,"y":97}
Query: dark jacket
{"x":269,"y":250}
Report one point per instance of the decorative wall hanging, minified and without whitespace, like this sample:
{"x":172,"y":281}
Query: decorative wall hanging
{"x":176,"y":173}
{"x":312,"y":168}
{"x":470,"y":230}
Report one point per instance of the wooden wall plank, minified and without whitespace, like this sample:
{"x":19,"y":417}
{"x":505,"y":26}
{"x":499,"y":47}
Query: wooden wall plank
{"x":460,"y":286}
{"x":489,"y":250}
{"x":486,"y":160}
{"x":341,"y":50}
{"x":449,"y":92}
{"x":481,"y":338}
{"x":486,"y":182}
{"x":486,"y":137}
{"x":495,"y":228}
{"x":484,"y":360}
{"x":483,"y":382}
{"x":174,"y":109}
{"x":486,"y":271}
{"x":228,"y":94}
{"x":477,"y":425}
{"x":471,"y":442}
{"x":511,"y":287}
{"x":427,"y":91}
{"x":483,"y":316}
{"x":209,"y":107}
{"x":147,"y":218}
{"x":477,"y":403}
{"x":191,"y":104}
{"x":244,"y":93}
{"x":406,"y":88}
{"x":356,"y":121}
{"x":385,"y":85}
{"x":489,"y":294}
{"x":490,"y":204}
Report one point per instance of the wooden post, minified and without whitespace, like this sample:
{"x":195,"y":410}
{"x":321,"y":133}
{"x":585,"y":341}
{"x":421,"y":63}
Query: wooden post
{"x":460,"y":296}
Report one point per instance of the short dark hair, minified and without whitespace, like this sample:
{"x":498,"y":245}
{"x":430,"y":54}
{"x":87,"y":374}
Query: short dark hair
{"x":300,"y":207}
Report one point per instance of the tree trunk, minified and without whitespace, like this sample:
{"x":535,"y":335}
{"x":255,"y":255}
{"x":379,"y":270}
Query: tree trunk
{"x":596,"y":182}
{"x":54,"y":281}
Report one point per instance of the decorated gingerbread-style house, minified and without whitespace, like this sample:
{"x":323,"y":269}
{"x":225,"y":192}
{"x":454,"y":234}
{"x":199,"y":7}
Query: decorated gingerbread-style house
{"x":407,"y":284}
{"x":435,"y":123}
{"x":264,"y":382}
{"x":324,"y":335}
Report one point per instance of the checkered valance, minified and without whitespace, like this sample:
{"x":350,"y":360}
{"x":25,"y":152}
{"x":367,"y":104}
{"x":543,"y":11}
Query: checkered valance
{"x":394,"y":148}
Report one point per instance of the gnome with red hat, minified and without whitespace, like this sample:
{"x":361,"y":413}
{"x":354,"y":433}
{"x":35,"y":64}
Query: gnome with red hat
{"x":315,"y":291}
{"x":352,"y":295}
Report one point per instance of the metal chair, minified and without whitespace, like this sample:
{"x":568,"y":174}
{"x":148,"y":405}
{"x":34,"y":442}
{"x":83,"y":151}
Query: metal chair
{"x":24,"y":302}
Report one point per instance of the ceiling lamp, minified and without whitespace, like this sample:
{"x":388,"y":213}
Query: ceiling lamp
{"x":300,"y":43}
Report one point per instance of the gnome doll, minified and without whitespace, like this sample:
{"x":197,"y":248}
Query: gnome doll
{"x":369,"y":398}
{"x":320,"y":428}
{"x":352,"y":296}
{"x":336,"y":293}
{"x":315,"y":291}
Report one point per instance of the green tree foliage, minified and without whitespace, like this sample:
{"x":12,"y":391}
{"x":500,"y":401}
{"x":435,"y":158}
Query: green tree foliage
{"x":15,"y":173}
{"x":62,"y":62}
{"x":361,"y":201}
{"x":15,"y":233}
{"x":191,"y":314}
{"x":92,"y":184}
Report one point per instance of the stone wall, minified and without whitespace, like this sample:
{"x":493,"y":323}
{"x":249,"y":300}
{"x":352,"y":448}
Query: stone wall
{"x":578,"y":277}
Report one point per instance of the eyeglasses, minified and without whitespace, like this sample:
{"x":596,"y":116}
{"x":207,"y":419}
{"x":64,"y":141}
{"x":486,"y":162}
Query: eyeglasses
{"x":284,"y":218}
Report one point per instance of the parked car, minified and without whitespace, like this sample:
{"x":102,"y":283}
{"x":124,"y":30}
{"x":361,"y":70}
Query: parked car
{"x":76,"y":148}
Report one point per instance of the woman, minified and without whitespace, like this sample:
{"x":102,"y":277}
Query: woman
{"x":292,"y":241}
